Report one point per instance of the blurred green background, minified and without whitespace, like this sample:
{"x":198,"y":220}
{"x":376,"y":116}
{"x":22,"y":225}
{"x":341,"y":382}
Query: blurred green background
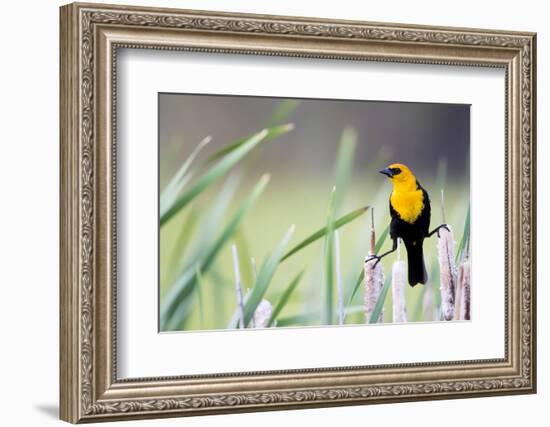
{"x":432,"y":139}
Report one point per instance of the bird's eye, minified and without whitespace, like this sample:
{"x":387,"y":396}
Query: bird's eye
{"x":395,"y":171}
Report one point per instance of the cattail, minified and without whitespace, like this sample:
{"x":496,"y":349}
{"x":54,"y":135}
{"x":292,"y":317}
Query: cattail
{"x":398,"y":285}
{"x":262,"y":314}
{"x":255,"y":275}
{"x":374,"y":278}
{"x":465,"y":309}
{"x":458,"y":293}
{"x":462,"y":309}
{"x":447,"y":272}
{"x":238,"y":289}
{"x":428,"y":304}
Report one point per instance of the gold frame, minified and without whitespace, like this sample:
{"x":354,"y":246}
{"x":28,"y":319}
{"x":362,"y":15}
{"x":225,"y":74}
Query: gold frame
{"x":90,"y":36}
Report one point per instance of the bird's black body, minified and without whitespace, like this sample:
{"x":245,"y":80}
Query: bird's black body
{"x":413,"y":235}
{"x":410,"y":220}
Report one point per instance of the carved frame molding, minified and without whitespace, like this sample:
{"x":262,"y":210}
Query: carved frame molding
{"x":90,"y":37}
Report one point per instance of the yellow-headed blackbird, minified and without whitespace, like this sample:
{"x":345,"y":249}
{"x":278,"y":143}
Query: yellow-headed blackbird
{"x":410,"y":219}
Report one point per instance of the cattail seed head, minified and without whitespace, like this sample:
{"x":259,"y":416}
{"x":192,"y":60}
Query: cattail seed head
{"x":398,"y":284}
{"x":428,"y":304}
{"x":374,"y":281}
{"x":262,"y":314}
{"x":447,"y":272}
{"x":462,"y":310}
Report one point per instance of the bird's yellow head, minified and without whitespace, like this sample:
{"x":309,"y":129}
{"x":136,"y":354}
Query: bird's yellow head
{"x":399,"y":174}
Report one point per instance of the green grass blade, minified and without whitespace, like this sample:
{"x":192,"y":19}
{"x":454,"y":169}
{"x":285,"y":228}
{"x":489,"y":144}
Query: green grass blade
{"x":182,"y":241}
{"x":181,"y":177}
{"x":323,"y":231}
{"x":209,"y":226}
{"x":272,"y":133}
{"x":283,"y":111}
{"x":380,"y":302}
{"x":329,"y":264}
{"x":355,"y":309}
{"x":285,"y":297}
{"x":178,"y":323}
{"x":304,"y":319}
{"x":361,"y":276}
{"x":245,"y":265}
{"x":382,"y":239}
{"x":185,"y":284}
{"x":221,"y":288}
{"x":200,"y":292}
{"x":358,"y":282}
{"x":211,"y":221}
{"x":265,"y":275}
{"x":298,"y":320}
{"x":344,"y":165}
{"x":215,"y":172}
{"x":465,"y":237}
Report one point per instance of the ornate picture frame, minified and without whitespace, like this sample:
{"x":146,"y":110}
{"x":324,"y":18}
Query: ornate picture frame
{"x":90,"y":37}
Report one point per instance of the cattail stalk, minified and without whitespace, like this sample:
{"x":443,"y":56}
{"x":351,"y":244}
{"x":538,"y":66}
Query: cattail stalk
{"x":372,"y":232}
{"x":374,"y":278}
{"x":443,"y":206}
{"x":398,"y":285}
{"x":339,"y":278}
{"x":238,"y":288}
{"x":447,"y":267}
{"x":447,"y":272}
{"x":255,"y":275}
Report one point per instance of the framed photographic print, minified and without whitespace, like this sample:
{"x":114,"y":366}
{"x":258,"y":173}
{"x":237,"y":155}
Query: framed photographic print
{"x":265,"y":212}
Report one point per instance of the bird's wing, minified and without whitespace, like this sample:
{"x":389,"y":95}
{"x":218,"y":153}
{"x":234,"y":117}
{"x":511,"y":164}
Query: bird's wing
{"x":394,"y":220}
{"x":424,"y":218}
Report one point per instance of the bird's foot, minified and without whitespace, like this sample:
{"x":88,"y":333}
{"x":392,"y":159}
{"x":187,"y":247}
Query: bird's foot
{"x":371,"y":257}
{"x":436,"y":230}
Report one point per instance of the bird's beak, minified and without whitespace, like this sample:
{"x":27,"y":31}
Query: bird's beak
{"x":386,"y":172}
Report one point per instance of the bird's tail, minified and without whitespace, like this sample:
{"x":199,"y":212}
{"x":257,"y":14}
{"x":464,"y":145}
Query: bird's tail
{"x":415,"y":258}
